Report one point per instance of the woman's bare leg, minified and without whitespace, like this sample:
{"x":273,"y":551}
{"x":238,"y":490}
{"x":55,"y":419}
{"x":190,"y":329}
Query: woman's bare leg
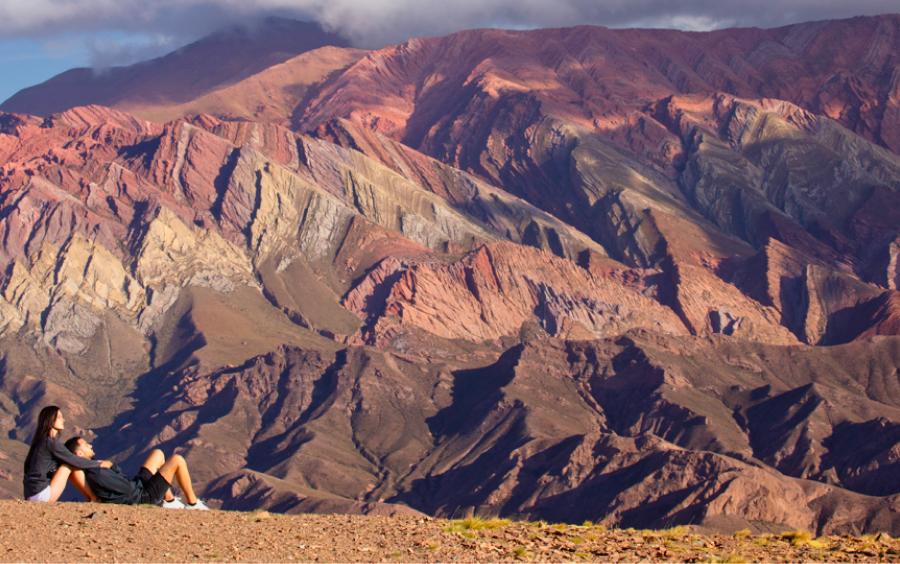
{"x":155,"y":460}
{"x":176,"y":467}
{"x":58,"y":482}
{"x":78,"y":480}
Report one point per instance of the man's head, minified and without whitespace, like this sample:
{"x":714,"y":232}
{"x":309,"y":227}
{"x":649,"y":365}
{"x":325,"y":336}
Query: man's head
{"x":80,"y":447}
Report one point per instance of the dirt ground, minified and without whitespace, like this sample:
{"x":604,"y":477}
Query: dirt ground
{"x":77,"y":532}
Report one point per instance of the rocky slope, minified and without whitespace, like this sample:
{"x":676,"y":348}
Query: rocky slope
{"x":705,"y":124}
{"x":479,"y":274}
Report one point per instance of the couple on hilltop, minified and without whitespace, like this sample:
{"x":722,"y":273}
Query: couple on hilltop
{"x":51,"y":463}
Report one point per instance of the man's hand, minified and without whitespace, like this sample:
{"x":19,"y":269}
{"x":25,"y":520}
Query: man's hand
{"x":106,"y":464}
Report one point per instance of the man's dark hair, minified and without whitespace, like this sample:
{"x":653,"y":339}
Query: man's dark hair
{"x":72,"y":444}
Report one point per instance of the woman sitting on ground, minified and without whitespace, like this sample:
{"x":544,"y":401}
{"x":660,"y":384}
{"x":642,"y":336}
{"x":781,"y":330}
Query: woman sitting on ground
{"x":49,"y":464}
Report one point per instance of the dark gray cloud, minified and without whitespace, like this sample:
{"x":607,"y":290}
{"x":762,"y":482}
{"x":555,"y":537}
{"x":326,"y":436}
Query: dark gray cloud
{"x":377,"y":22}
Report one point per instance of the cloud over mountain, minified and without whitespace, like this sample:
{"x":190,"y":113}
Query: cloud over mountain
{"x":375,"y":22}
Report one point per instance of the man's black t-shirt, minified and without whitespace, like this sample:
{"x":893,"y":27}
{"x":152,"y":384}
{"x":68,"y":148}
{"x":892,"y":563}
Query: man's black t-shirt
{"x":111,"y":485}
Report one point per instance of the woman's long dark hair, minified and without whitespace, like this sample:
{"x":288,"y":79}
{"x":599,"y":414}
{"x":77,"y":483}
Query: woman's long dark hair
{"x":46,"y":419}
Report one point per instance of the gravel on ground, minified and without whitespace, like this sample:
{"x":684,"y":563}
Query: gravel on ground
{"x":86,"y":532}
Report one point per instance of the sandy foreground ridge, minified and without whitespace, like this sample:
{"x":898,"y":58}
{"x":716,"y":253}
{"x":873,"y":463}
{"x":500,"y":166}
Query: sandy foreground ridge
{"x":79,"y":532}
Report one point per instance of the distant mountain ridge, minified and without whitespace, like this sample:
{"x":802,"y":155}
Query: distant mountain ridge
{"x":214,"y":61}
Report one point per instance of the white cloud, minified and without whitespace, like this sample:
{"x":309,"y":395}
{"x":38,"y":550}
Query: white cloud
{"x":106,"y":52}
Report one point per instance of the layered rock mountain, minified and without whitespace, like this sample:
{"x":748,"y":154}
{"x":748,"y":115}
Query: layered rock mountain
{"x":642,"y":277}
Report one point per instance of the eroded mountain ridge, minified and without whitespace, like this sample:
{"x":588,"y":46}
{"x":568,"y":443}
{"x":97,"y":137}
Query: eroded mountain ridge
{"x":640,"y":277}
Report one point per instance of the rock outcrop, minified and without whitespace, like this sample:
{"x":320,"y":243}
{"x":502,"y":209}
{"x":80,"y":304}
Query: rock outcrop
{"x":642,"y":430}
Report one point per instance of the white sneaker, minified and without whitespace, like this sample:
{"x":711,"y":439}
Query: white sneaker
{"x":199,"y":505}
{"x":174,"y":504}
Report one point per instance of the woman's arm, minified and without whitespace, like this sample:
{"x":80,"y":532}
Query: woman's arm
{"x":65,"y":456}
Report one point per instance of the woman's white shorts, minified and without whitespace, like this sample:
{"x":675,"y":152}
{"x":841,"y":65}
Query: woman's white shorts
{"x":43,"y":495}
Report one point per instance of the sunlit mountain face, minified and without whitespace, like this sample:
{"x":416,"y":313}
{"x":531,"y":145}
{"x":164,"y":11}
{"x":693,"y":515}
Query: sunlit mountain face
{"x":641,"y":277}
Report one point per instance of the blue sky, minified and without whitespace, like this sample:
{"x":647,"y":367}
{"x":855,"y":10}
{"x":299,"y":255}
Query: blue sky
{"x":24,"y":62}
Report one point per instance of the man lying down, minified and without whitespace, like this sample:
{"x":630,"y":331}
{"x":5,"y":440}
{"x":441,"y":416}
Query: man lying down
{"x":152,"y":485}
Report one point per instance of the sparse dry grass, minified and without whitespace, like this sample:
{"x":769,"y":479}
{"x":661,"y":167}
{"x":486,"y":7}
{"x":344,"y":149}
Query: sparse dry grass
{"x":673,"y":532}
{"x":475,"y":524}
{"x":797,"y":538}
{"x":590,"y":541}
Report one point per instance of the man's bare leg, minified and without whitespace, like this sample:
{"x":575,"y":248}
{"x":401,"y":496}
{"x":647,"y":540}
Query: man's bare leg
{"x":155,"y":460}
{"x":176,"y":467}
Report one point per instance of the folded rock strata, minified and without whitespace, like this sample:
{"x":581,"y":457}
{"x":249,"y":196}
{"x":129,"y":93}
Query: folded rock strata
{"x":479,"y":274}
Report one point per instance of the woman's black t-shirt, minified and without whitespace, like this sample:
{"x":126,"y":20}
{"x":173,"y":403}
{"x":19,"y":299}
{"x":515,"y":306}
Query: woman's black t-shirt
{"x":44,"y":461}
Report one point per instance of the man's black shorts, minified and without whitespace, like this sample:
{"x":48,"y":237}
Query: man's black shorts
{"x":155,"y":486}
